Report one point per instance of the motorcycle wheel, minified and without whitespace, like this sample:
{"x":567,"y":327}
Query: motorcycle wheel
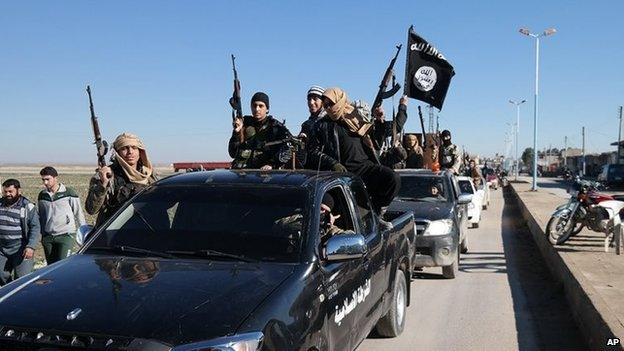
{"x":558,"y":230}
{"x":578,"y":226}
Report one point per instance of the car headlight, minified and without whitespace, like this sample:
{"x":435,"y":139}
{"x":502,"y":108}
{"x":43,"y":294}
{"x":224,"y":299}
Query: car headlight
{"x":471,"y":205}
{"x":439,"y":227}
{"x":239,"y":342}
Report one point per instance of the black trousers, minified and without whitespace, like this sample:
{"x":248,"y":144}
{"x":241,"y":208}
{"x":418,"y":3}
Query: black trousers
{"x":382,"y":184}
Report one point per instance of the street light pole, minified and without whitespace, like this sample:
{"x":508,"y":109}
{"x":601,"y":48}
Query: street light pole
{"x":517,"y":131}
{"x":535,"y":107}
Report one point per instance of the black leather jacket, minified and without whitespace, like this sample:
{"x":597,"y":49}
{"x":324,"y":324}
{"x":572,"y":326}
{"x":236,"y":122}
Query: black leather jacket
{"x":324,"y":147}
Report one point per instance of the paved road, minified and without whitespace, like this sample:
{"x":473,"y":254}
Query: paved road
{"x":503,"y":298}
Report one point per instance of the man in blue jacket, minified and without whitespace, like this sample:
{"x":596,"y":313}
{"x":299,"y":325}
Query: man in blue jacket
{"x":19,"y":232}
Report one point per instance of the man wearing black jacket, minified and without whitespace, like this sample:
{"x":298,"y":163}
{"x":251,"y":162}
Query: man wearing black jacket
{"x":383,"y":129}
{"x":341,"y":143}
{"x":247,"y":145}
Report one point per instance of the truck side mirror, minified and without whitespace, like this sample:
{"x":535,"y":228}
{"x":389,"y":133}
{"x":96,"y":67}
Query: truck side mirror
{"x":345,"y":247}
{"x":464,"y":199}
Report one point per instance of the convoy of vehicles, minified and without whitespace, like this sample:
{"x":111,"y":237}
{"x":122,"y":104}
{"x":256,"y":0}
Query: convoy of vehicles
{"x":243,"y":260}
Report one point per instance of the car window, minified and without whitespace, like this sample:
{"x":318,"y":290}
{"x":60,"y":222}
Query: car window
{"x":364,"y":208}
{"x":341,"y":209}
{"x":466,"y":187}
{"x":265,"y":223}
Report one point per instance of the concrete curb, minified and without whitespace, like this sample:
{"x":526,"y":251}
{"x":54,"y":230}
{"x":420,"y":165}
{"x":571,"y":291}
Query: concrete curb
{"x":591,"y":313}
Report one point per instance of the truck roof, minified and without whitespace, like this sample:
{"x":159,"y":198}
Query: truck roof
{"x":299,"y":178}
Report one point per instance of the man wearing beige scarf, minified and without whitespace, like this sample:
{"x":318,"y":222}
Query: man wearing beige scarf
{"x":341,"y":142}
{"x":129,"y":172}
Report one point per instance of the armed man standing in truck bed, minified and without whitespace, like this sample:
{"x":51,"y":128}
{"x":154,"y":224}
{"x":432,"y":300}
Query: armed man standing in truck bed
{"x":341,"y":143}
{"x":251,"y":134}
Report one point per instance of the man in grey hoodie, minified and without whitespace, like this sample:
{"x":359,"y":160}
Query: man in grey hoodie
{"x":59,"y":212}
{"x":19,"y":232}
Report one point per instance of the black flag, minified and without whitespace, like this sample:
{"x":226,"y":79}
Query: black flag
{"x":427,"y":73}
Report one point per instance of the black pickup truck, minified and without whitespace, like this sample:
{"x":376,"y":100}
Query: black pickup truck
{"x":222,"y":260}
{"x":440,"y":215}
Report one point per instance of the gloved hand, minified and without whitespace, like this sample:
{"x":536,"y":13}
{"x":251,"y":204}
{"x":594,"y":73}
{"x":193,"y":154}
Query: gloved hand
{"x":339,"y":168}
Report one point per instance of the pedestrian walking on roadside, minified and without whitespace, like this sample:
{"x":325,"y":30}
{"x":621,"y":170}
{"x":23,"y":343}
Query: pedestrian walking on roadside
{"x":60,"y":214}
{"x":19,"y":232}
{"x":129,"y":172}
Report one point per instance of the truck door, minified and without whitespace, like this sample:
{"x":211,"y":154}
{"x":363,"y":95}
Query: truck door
{"x":374,"y":279}
{"x":340,"y":280}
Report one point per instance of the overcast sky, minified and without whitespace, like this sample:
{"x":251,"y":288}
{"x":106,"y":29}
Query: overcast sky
{"x":161,"y":69}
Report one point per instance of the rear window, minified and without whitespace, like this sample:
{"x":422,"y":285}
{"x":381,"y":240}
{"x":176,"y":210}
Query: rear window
{"x":419,"y":188}
{"x":264,"y":223}
{"x":465,"y":187}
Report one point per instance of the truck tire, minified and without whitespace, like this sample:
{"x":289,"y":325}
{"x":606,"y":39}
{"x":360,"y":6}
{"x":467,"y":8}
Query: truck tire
{"x":449,"y":272}
{"x":392,"y":324}
{"x":463,"y":247}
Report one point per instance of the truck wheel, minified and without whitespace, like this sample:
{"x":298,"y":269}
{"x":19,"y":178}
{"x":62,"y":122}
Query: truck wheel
{"x":392,"y":324}
{"x":449,"y":272}
{"x":463,"y":247}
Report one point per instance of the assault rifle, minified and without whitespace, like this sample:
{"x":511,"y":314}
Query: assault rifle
{"x":292,"y":147}
{"x":382,"y":93}
{"x":235,"y":100}
{"x":101,"y":145}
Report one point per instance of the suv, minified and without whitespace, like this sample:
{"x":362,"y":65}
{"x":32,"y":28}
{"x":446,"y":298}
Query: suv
{"x":612,"y":175}
{"x":440,"y":217}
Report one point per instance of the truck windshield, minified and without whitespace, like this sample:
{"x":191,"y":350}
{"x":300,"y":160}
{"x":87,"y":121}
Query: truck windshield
{"x":260,"y":223}
{"x":419,"y":188}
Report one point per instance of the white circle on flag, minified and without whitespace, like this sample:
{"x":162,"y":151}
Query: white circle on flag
{"x":425,"y":78}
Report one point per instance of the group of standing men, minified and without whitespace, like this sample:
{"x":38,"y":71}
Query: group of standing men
{"x":340,"y":135}
{"x":58,"y":213}
{"x":53,"y":220}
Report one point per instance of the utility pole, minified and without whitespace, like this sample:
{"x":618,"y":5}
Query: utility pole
{"x":619,"y":138}
{"x":583,"y":133}
{"x":565,"y":151}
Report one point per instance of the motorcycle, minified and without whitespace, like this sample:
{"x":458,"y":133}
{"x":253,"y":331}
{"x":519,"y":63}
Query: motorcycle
{"x":589,"y":208}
